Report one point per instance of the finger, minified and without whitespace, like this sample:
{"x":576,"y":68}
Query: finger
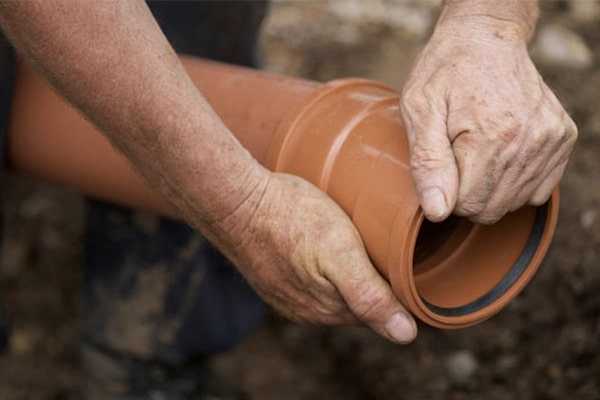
{"x":327,"y":304}
{"x":433,"y":165}
{"x":530,"y":185}
{"x":544,"y":191}
{"x":313,"y":304}
{"x":480,"y":167}
{"x":529,"y":172}
{"x":526,"y":169}
{"x":369,"y":296}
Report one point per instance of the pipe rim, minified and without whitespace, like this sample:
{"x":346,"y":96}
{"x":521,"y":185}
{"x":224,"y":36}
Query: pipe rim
{"x":403,"y":281}
{"x":509,"y":279}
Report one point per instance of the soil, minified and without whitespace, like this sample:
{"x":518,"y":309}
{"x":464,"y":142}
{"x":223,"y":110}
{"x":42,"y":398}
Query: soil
{"x":545,"y":345}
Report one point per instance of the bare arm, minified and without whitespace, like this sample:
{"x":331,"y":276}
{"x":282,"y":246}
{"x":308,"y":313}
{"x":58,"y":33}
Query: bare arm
{"x":294,"y":245}
{"x":112,"y":61}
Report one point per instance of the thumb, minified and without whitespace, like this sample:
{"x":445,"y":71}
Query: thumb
{"x":370,"y":297}
{"x":432,"y":160}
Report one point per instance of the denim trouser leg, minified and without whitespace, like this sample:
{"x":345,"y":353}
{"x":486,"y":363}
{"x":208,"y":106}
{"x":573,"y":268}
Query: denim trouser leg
{"x":156,"y":289}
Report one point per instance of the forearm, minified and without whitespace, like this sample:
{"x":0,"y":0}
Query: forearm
{"x":295,"y":246}
{"x":111,"y":60}
{"x":508,"y":18}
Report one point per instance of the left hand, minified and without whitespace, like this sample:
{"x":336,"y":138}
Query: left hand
{"x":486,"y":134}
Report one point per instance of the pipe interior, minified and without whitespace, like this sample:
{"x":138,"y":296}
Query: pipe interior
{"x":460,"y":267}
{"x":434,"y":238}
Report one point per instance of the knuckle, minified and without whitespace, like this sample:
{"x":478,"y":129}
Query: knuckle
{"x":560,"y":133}
{"x":540,"y":198}
{"x":504,"y":125}
{"x":330,"y":317}
{"x":412,"y":101}
{"x":470,"y":210}
{"x":292,"y":315}
{"x":565,"y":142}
{"x":409,"y":93}
{"x":572,"y":132}
{"x":539,"y":137}
{"x":561,"y":136}
{"x":488,"y":218}
{"x":315,"y":313}
{"x":329,"y":308}
{"x":369,"y":304}
{"x":517,"y":205}
{"x":431,"y":92}
{"x":565,"y":137}
{"x":337,"y":314}
{"x":538,"y":201}
{"x":508,"y":129}
{"x":561,"y":129}
{"x":469,"y":207}
{"x":509,"y":135}
{"x":426,"y":159}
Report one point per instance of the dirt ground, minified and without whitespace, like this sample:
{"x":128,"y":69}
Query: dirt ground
{"x":545,"y":345}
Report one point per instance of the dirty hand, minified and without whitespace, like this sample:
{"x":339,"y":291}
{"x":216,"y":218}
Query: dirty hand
{"x":486,"y":134}
{"x":303,"y":255}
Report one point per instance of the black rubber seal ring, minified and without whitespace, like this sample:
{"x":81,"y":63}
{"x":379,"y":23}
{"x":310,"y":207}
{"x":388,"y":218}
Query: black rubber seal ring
{"x":511,"y":276}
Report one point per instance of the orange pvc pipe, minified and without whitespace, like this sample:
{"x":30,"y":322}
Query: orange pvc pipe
{"x":57,"y":151}
{"x":347,"y":138}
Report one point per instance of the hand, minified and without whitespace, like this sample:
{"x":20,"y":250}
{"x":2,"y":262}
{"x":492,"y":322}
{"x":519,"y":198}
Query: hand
{"x":294,"y":244}
{"x":303,"y":256}
{"x":486,"y":134}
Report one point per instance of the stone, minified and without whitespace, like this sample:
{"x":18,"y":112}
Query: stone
{"x":585,"y":11}
{"x":415,"y":18}
{"x":560,"y":47}
{"x":461,"y":366}
{"x":588,"y":218}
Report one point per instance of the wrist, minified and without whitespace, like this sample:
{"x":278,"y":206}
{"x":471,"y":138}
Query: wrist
{"x":233,"y":223}
{"x":225,"y":191}
{"x":200,"y":166}
{"x":510,"y":20}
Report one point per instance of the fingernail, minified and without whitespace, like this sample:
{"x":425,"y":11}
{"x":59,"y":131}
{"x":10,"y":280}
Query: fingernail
{"x":434,"y":203}
{"x":401,"y":328}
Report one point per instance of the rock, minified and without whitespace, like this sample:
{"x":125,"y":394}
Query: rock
{"x":461,"y":366}
{"x":560,"y":47}
{"x":35,"y":205}
{"x":584,"y":10}
{"x":587,"y":219}
{"x":415,"y":18}
{"x":507,"y":363}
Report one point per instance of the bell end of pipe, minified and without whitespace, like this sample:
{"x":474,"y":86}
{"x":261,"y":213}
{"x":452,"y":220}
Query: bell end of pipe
{"x":457,"y":274}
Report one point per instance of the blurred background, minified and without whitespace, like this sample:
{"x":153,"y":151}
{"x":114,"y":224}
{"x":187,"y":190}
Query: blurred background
{"x":545,"y":345}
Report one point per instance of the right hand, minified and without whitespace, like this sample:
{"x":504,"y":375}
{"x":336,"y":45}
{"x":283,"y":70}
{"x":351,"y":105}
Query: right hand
{"x":303,"y":256}
{"x":486,"y":134}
